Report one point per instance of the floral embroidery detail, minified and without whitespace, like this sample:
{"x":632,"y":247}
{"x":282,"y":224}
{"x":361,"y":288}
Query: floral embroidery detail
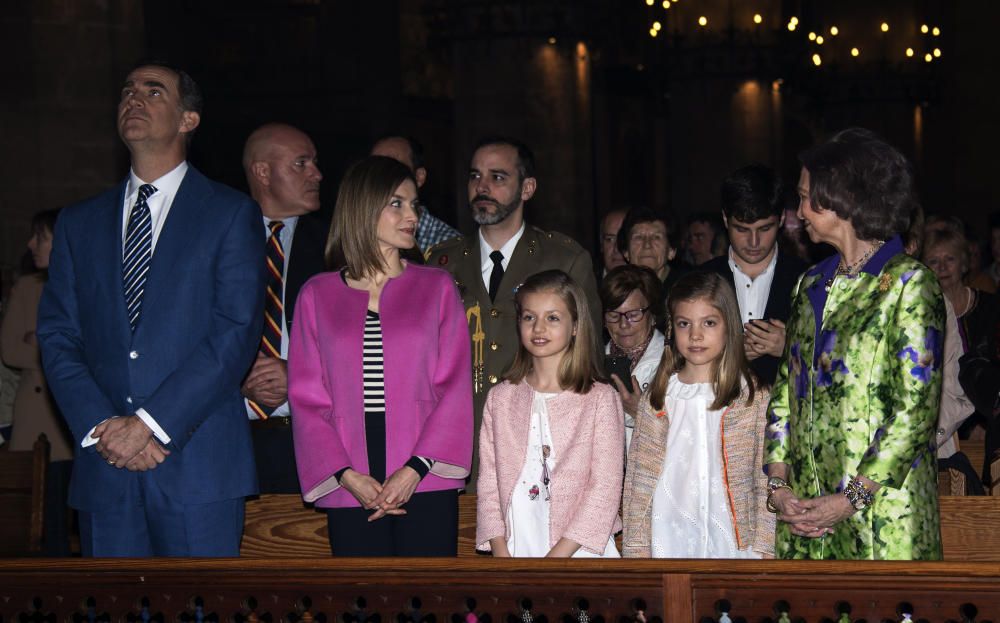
{"x":827,"y":364}
{"x":799,"y":371}
{"x":775,"y":428}
{"x":928,"y":361}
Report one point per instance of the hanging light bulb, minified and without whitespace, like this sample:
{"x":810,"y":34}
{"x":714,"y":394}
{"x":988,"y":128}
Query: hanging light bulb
{"x":791,"y":26}
{"x":928,"y":57}
{"x":819,"y":40}
{"x":855,"y":52}
{"x":936,"y":32}
{"x":817,"y":60}
{"x":924,"y":29}
{"x":757,"y":18}
{"x":834,"y":31}
{"x":885,"y":27}
{"x":657,"y":25}
{"x":937,"y":52}
{"x":653,"y":32}
{"x":812,"y":36}
{"x":909,"y":51}
{"x":666,"y":4}
{"x":703,"y":21}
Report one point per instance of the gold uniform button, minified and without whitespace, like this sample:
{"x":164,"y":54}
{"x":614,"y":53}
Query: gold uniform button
{"x":493,"y":379}
{"x":494,"y":346}
{"x":494,"y":313}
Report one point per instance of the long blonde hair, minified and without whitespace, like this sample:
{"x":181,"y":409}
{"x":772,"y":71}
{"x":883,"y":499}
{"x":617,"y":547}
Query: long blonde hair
{"x":732,"y":364}
{"x":578,"y":368}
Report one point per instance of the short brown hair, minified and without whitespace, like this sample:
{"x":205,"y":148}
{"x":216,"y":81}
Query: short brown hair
{"x":364,"y":192}
{"x":733,"y":365}
{"x":625,"y":279}
{"x":578,"y":369}
{"x":864,"y":181}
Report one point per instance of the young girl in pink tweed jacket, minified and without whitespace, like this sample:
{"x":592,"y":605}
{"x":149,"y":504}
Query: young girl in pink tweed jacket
{"x":552,"y":439}
{"x":694,"y":485}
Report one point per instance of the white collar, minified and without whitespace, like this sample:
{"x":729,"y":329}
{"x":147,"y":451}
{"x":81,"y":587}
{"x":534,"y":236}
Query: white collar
{"x":507,"y":249}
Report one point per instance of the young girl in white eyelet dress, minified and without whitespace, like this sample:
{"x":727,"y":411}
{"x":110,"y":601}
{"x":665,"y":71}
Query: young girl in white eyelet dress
{"x":551,"y":442}
{"x":694,"y":485}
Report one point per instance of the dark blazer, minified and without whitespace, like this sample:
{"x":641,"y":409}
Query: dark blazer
{"x":307,"y":259}
{"x":274,"y":449}
{"x":787,"y":271}
{"x":200,"y":326}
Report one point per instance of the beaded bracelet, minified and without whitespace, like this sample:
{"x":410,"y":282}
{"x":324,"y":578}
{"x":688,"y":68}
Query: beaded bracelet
{"x":858,"y":494}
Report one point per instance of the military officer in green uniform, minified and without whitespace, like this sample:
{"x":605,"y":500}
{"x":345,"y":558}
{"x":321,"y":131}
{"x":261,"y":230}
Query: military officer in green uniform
{"x":490,"y":264}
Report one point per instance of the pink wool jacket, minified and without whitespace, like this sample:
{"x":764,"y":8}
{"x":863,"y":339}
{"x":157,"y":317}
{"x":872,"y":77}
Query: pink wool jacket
{"x":586,"y":484}
{"x":428,"y":388}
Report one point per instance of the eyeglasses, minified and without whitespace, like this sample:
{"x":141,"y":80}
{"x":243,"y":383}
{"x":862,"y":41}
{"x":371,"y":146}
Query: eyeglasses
{"x":632,"y":316}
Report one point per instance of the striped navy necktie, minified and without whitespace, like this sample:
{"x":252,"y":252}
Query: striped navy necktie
{"x":138,"y":253}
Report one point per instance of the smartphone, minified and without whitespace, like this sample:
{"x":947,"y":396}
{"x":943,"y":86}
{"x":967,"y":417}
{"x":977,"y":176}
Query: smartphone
{"x":619,"y":366}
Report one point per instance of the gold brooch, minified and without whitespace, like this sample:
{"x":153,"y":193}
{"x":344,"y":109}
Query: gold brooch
{"x":885,"y":282}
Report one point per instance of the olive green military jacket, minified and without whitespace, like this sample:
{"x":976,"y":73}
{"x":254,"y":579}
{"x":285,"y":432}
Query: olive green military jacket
{"x":493,"y":324}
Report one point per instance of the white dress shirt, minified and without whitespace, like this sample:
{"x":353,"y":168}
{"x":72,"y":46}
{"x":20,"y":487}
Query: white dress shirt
{"x":285,"y":236}
{"x":159,"y":207}
{"x":507,"y":249}
{"x":751,"y":294}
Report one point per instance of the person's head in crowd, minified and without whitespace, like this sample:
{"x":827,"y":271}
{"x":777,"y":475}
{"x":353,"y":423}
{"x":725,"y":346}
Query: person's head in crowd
{"x":753,"y":212}
{"x":946,"y":252}
{"x":703,"y":238}
{"x":282,"y":171}
{"x":554,"y":321}
{"x":375,"y":217}
{"x":646,"y":239}
{"x":632,"y":300}
{"x":943,"y":222}
{"x":610,"y":254}
{"x":40,"y":244}
{"x":704,"y":330}
{"x":792,"y":237}
{"x":913,"y":239}
{"x":159,"y":110}
{"x":855,"y":186}
{"x":501,"y":179}
{"x":407,"y":150}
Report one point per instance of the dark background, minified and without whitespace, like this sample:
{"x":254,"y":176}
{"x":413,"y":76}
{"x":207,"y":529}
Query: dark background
{"x":616,"y":117}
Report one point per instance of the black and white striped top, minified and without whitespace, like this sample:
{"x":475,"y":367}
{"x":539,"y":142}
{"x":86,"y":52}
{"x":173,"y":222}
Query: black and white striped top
{"x":373,"y":380}
{"x":372,"y":366}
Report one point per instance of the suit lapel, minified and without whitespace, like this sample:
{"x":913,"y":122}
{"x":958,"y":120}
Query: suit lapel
{"x":108,"y":257}
{"x":180,"y":229}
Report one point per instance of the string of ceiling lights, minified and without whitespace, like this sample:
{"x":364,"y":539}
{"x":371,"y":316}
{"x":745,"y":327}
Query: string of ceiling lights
{"x":817,"y":38}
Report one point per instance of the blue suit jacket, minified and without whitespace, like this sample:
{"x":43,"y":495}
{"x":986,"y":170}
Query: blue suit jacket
{"x":198,"y":332}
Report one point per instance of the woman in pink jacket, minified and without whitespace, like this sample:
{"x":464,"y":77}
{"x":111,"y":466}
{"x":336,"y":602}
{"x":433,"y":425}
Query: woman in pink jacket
{"x":379,"y":383}
{"x":552,"y":439}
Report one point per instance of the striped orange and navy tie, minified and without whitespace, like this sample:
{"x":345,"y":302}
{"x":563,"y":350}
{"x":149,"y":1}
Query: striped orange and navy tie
{"x":270,"y":341}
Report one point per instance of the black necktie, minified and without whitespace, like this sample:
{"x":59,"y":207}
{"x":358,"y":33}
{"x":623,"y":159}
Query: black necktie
{"x":497,"y":273}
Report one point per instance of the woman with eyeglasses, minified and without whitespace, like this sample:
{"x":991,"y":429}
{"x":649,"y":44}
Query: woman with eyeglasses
{"x":632,"y":299}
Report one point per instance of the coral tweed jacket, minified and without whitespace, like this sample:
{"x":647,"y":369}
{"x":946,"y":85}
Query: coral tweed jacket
{"x":588,"y":431}
{"x":742,"y":454}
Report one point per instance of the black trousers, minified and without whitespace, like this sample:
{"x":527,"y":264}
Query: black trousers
{"x":429,"y":528}
{"x":274,"y":453}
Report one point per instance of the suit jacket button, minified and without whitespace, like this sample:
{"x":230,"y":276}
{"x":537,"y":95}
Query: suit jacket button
{"x":494,"y":346}
{"x":493,"y":379}
{"x":133,"y":354}
{"x":128,"y":399}
{"x":494,"y":313}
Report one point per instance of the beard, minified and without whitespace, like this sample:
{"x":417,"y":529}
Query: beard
{"x":484,"y":217}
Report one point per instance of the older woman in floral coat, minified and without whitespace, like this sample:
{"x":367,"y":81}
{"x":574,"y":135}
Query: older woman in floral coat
{"x":850,"y":436}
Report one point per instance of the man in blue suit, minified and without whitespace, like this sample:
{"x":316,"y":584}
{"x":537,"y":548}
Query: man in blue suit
{"x":150,"y":319}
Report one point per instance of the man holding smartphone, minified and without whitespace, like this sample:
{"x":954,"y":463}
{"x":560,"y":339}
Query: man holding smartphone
{"x":753,"y":213}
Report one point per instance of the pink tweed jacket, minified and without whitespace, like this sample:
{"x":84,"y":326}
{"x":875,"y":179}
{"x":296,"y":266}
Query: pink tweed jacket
{"x":586,"y":484}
